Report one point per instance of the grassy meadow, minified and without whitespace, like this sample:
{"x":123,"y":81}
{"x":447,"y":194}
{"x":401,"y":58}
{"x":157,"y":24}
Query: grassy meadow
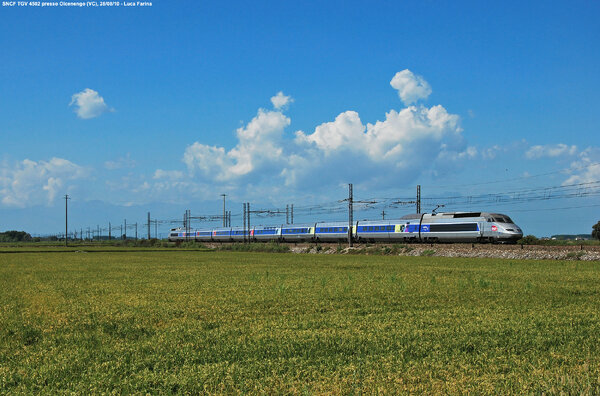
{"x":238,"y":322}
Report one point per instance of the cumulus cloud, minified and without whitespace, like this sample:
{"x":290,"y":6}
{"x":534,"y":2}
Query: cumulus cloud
{"x":586,"y":168}
{"x":280,"y":101}
{"x":401,"y":146}
{"x":491,"y":152}
{"x":259,"y":143}
{"x":550,"y":150}
{"x":89,"y":104}
{"x":406,"y":143}
{"x":35,"y":182}
{"x":411,"y":88}
{"x":120,"y":163}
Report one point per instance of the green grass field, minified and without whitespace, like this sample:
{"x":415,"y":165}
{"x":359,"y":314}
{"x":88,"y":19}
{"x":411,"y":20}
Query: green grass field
{"x":229,"y":322}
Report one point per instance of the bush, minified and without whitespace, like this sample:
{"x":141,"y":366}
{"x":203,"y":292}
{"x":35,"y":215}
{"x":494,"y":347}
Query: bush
{"x":528,"y":240}
{"x":192,"y":245}
{"x":596,"y":231}
{"x":15,"y":236}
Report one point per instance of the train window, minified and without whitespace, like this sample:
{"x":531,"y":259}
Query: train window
{"x":453,"y":227}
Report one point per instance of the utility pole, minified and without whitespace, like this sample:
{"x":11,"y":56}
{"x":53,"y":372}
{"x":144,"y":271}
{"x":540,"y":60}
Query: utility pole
{"x":109,"y":230}
{"x":249,"y":228}
{"x":98,"y":228}
{"x":121,"y":231}
{"x":244,"y":222}
{"x":383,"y":215}
{"x":81,"y":234}
{"x":229,"y":219}
{"x":136,"y":230}
{"x":66,"y":220}
{"x":418,"y":198}
{"x":189,"y":227}
{"x":287,"y":214}
{"x":292,"y":215}
{"x":224,"y":221}
{"x":156,"y":228}
{"x":148,"y":225}
{"x":350,"y":214}
{"x":125,"y":228}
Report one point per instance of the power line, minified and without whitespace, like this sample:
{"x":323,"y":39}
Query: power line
{"x":516,"y":178}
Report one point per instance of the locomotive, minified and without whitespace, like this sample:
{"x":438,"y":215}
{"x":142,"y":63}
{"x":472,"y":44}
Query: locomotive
{"x":479,"y":227}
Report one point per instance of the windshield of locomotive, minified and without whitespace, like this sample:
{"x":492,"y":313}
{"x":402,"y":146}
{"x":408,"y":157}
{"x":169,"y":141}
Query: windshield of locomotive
{"x":502,"y":219}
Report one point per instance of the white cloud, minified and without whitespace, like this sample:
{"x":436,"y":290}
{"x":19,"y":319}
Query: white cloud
{"x":550,"y":150}
{"x":280,"y":101}
{"x":89,"y":104}
{"x":171,"y":175}
{"x":587,"y":168}
{"x":346,"y":132}
{"x":259,"y":142}
{"x":406,"y":143}
{"x":411,"y":88}
{"x":401,"y":146}
{"x":393,"y":139}
{"x":491,"y":152}
{"x":121,"y":163}
{"x":30,"y":182}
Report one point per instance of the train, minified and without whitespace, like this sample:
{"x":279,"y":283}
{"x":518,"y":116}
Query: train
{"x":451,"y":227}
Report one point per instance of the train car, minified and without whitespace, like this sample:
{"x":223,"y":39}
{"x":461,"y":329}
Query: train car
{"x":297,"y":232}
{"x":179,"y":234}
{"x":239,"y":234}
{"x":456,"y":227}
{"x":266,"y":233}
{"x":221,"y":235}
{"x":204,"y":235}
{"x":174,"y":235}
{"x":332,"y":232}
{"x":373,"y":231}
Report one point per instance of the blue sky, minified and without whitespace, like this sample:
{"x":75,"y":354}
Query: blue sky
{"x":163,"y":108}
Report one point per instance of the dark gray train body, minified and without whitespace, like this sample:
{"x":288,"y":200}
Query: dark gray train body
{"x":425,"y":227}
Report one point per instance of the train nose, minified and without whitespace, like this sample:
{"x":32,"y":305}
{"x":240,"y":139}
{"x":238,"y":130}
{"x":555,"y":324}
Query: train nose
{"x":510,"y":233}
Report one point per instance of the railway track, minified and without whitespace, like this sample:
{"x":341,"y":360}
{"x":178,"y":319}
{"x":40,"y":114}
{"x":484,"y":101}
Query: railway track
{"x":534,"y":252}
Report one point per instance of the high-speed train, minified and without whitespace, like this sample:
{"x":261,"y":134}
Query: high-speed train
{"x":420,"y":227}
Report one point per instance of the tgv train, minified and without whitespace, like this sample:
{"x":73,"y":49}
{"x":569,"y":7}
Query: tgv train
{"x":421,"y":227}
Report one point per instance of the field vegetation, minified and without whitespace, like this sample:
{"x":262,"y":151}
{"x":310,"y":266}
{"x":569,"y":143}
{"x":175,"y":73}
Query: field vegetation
{"x":183,"y":321}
